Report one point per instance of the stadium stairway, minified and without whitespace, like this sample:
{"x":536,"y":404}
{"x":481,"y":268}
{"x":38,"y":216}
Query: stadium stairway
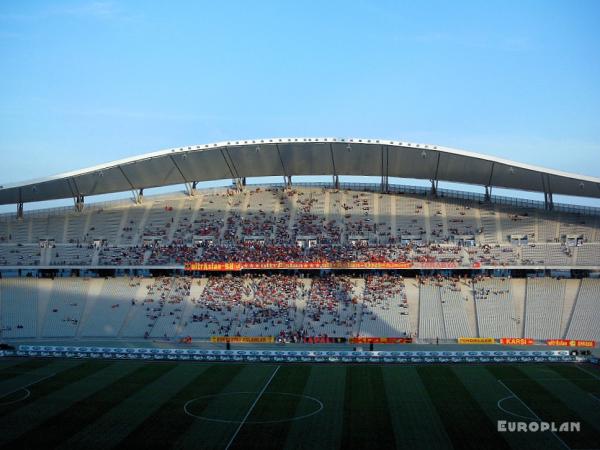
{"x":301,"y":302}
{"x":93,"y":293}
{"x":176,"y":219}
{"x":412,"y":297}
{"x":122,"y":224}
{"x":137,"y":310}
{"x":45,"y":290}
{"x":467,"y":292}
{"x":518,"y":288}
{"x":357,"y":294}
{"x":196,"y":290}
{"x":140,"y":228}
{"x":571,"y":292}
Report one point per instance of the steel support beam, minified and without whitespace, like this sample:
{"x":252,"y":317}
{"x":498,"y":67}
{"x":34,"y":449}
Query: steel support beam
{"x":385,"y":163}
{"x":79,"y":202}
{"x":138,"y":196}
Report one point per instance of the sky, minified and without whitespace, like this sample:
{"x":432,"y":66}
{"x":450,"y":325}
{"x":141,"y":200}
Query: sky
{"x":88,"y":82}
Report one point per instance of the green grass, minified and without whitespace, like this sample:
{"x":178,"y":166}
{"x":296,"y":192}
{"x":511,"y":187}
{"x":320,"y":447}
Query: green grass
{"x":134,"y":404}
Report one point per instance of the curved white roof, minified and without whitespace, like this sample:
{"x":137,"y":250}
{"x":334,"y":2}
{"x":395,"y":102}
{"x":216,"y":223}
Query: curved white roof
{"x":297,"y":157}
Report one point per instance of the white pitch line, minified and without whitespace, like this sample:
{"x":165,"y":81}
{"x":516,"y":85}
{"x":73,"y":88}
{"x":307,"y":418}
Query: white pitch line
{"x":531,"y":411}
{"x":588,"y":372}
{"x":26,"y":386}
{"x":499,"y":405}
{"x":251,"y":408}
{"x":594,"y":396}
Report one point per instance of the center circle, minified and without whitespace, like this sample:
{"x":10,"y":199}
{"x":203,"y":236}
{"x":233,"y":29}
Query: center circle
{"x":25,"y":394}
{"x":317,"y":406}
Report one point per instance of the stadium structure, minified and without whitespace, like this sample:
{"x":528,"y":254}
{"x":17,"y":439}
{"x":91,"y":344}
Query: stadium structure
{"x":347,"y":260}
{"x":382,"y":315}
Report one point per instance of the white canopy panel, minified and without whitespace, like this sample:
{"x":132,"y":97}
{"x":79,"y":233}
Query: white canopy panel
{"x":300,"y":156}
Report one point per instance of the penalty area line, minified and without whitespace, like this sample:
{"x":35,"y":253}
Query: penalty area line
{"x":252,"y":407}
{"x":532,"y":412}
{"x":588,"y":372}
{"x":26,"y":386}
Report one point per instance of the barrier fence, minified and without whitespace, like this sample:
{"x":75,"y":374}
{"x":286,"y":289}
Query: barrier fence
{"x":281,"y":356}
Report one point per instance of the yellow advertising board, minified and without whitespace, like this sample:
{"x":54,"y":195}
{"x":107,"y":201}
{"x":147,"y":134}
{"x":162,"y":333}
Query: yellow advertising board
{"x":476,"y":340}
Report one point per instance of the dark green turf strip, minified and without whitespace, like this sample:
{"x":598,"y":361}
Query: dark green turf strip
{"x":225,"y":406}
{"x":410,"y":408}
{"x":467,"y":425}
{"x":58,"y":381}
{"x":580,"y":378}
{"x":323,"y":430}
{"x":547,"y":406}
{"x":169,"y":422}
{"x":289,"y":379}
{"x":113,"y":426}
{"x":492,"y":397}
{"x":13,"y":371}
{"x":573,"y":387}
{"x":366,"y":416}
{"x":61,"y":426}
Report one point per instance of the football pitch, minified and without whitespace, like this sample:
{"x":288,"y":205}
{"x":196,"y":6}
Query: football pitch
{"x":68,"y":403}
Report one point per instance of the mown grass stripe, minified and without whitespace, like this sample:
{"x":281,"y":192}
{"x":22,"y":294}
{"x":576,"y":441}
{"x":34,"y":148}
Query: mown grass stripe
{"x":116,"y":424}
{"x":577,"y":377}
{"x":492,"y":397}
{"x":323,"y":430}
{"x":546,"y":405}
{"x":225,"y":406}
{"x":366,"y":415}
{"x":467,"y":425}
{"x":572,"y":387}
{"x":61,"y":426}
{"x":289,"y":379}
{"x":26,"y":418}
{"x":410,"y":408}
{"x":169,"y":422}
{"x":13,"y":371}
{"x":58,"y":381}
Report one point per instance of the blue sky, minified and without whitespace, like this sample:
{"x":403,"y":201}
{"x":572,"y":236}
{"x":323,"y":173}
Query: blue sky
{"x":93,"y":81}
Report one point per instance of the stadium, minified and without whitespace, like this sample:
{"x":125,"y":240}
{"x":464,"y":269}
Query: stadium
{"x":301,"y":314}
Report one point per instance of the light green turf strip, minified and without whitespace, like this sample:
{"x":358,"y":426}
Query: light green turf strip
{"x":323,"y":430}
{"x":572,"y":395}
{"x":546,"y":405}
{"x":169,"y":422}
{"x":207,"y":434}
{"x":416,"y":422}
{"x":65,"y":372}
{"x":366,"y":398}
{"x":275,"y":404}
{"x":16,"y":366}
{"x":116,"y":424}
{"x":30,"y":416}
{"x":29,"y":377}
{"x":486,"y":389}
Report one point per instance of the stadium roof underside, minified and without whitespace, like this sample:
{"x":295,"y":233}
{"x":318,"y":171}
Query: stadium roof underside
{"x":290,"y":157}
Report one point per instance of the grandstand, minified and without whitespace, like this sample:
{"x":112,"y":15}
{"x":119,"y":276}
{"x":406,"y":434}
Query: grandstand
{"x":104,"y":258}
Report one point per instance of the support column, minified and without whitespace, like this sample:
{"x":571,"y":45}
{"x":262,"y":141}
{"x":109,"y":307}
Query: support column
{"x":79,"y":202}
{"x":384,"y":184}
{"x":239,"y":183}
{"x":548,"y":201}
{"x":20,"y":210}
{"x":488,"y":193}
{"x":190,"y":188}
{"x":336,"y":181}
{"x":434,"y":187}
{"x":138,"y":196}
